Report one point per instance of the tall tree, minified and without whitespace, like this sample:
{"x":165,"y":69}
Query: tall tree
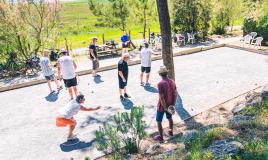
{"x":164,"y":20}
{"x":143,"y":11}
{"x":30,"y":24}
{"x":113,"y":13}
{"x":192,"y":16}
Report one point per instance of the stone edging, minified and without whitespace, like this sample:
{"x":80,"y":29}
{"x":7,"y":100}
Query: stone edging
{"x":110,"y":67}
{"x":247,"y":49}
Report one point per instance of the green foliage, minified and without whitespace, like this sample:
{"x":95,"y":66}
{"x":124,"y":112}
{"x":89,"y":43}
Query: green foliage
{"x":192,"y":16}
{"x":113,"y":13}
{"x":258,"y":22}
{"x":128,"y":131}
{"x":256,"y":149}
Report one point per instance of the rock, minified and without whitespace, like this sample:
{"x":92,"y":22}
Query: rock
{"x":255,"y":102}
{"x":130,"y":157}
{"x":221,"y":148}
{"x":238,"y":108}
{"x":165,"y":154}
{"x":189,"y":134}
{"x":240,"y":118}
{"x":153,"y":149}
{"x":251,"y":96}
{"x":264,"y":92}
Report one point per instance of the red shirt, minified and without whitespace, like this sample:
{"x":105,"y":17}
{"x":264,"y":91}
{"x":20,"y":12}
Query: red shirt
{"x":167,"y":87}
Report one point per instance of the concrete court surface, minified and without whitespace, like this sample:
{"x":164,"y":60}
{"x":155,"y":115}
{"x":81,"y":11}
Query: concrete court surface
{"x":204,"y":79}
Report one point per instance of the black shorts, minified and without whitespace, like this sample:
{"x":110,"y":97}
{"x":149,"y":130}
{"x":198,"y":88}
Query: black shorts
{"x":70,"y":82}
{"x":122,"y":84}
{"x":50,"y":78}
{"x":145,"y":69}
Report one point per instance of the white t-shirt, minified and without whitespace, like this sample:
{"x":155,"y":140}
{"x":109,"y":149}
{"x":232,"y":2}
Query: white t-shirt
{"x":70,"y":109}
{"x":146,"y":54}
{"x":44,"y":63}
{"x":67,"y":67}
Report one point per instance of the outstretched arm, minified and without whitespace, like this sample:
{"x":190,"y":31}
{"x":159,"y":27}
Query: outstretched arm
{"x":82,"y":108}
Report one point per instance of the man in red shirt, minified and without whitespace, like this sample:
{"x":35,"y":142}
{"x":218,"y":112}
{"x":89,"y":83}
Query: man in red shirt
{"x":167,"y":97}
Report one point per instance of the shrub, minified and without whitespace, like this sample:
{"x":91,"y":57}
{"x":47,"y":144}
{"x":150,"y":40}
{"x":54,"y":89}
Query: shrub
{"x":260,"y":26}
{"x":128,"y":131}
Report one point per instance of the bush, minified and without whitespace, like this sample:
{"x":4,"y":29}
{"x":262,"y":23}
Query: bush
{"x":260,"y":26}
{"x":128,"y":131}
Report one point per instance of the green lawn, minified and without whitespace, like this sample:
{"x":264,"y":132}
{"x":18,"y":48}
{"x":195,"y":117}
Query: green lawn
{"x":78,"y":26}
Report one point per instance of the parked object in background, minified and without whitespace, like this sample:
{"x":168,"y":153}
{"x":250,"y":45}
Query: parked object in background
{"x":247,"y":40}
{"x":191,"y":38}
{"x":180,"y":39}
{"x":257,"y":42}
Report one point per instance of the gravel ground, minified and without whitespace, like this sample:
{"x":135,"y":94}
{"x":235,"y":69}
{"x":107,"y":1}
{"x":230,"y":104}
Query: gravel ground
{"x":205,"y":79}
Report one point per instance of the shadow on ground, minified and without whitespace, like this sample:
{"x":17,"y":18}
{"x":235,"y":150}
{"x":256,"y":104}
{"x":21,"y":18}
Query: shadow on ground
{"x":149,"y":88}
{"x":76,"y":145}
{"x":127,"y":103}
{"x":98,"y":79}
{"x":52,"y":97}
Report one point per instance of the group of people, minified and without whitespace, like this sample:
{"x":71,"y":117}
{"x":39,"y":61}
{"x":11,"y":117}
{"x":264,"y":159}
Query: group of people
{"x":66,"y":67}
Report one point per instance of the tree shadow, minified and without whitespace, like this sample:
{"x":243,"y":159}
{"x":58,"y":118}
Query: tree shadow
{"x":52,"y":97}
{"x":128,"y":104}
{"x":78,"y":145}
{"x":98,"y":80}
{"x":149,"y":88}
{"x":184,"y":115}
{"x":92,"y":120}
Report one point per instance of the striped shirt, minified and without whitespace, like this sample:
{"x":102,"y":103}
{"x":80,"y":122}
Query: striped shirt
{"x":44,"y":63}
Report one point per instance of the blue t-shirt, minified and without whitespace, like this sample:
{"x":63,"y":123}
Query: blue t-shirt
{"x":125,"y":38}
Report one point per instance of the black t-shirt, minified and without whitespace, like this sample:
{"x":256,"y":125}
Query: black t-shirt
{"x":123,"y":67}
{"x":93,"y":47}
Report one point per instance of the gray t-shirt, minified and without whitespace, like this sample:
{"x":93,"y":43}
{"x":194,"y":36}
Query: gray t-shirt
{"x":44,"y":63}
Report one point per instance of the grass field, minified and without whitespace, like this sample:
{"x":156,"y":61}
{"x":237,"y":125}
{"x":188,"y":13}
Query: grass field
{"x":78,"y":26}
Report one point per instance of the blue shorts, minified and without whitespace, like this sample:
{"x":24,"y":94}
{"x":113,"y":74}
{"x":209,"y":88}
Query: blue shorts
{"x":160,"y":115}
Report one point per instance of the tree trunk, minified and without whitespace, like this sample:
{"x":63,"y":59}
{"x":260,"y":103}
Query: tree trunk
{"x":164,"y":20}
{"x":144,"y":23}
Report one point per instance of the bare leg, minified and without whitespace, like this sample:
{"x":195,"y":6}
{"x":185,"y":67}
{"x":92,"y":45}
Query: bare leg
{"x":70,"y":92}
{"x":93,"y":73}
{"x":120,"y":92}
{"x":160,"y":128}
{"x":125,"y":90}
{"x":147,"y":77}
{"x":75,"y":91}
{"x":141,"y":77}
{"x":71,"y":129}
{"x":49,"y":85}
{"x":57,"y":83}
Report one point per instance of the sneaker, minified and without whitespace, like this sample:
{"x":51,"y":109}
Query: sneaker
{"x":73,"y":137}
{"x":170,"y":133}
{"x":126,"y":95}
{"x":142,"y":84}
{"x":159,"y":138}
{"x":51,"y":92}
{"x":147,"y":84}
{"x":122,"y":98}
{"x":60,"y":88}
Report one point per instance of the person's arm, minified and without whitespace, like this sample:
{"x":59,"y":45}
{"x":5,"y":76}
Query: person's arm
{"x":121,"y":75}
{"x":59,"y":70}
{"x":92,"y":53}
{"x":163,"y":102}
{"x":82,"y":108}
{"x":75,"y":66}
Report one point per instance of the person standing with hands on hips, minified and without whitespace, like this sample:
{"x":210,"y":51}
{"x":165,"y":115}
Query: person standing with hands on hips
{"x":123,"y":76}
{"x":94,"y":56}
